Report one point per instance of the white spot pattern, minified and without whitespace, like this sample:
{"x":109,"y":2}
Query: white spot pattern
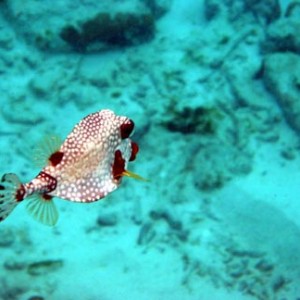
{"x":85,"y":172}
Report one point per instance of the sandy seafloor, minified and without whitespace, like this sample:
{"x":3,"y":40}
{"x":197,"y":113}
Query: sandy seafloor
{"x":214,"y":93}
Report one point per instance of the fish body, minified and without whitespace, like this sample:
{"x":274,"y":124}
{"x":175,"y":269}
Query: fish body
{"x":87,"y":167}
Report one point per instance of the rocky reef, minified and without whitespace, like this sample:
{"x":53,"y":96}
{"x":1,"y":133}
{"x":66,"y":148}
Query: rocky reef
{"x":213,"y":88}
{"x":122,"y":29}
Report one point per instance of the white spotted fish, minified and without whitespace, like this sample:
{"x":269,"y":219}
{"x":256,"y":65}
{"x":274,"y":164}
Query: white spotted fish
{"x":88,"y":166}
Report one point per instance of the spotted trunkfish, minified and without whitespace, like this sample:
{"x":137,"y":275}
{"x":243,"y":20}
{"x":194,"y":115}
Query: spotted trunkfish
{"x":88,"y":166}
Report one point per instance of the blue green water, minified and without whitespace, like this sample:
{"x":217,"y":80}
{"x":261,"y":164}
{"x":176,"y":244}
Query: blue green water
{"x":213,"y":89}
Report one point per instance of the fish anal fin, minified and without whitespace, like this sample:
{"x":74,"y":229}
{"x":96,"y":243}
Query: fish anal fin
{"x":42,"y":208}
{"x":47,"y":151}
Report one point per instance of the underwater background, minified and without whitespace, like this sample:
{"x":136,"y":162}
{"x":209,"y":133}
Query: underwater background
{"x":213,"y":87}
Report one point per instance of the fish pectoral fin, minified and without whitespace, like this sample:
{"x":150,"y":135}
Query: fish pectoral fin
{"x":133,"y":175}
{"x":42,"y":208}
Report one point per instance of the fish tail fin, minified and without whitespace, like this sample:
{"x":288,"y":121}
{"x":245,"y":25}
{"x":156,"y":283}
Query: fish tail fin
{"x":12,"y":192}
{"x":42,"y":208}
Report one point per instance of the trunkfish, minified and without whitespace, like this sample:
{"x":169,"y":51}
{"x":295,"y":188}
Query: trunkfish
{"x":88,"y":166}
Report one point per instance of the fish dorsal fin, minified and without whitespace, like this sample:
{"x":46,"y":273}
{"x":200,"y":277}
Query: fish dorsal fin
{"x":45,"y":148}
{"x":42,"y":209}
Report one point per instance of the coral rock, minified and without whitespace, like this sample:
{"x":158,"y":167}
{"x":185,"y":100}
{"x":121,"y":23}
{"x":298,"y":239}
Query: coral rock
{"x":122,"y":29}
{"x":285,"y":85}
{"x":283,"y":36}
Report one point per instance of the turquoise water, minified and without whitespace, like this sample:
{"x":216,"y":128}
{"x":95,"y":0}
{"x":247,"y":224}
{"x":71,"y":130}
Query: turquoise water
{"x":213,"y":89}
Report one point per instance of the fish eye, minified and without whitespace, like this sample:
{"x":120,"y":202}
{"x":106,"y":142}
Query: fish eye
{"x":126,"y":129}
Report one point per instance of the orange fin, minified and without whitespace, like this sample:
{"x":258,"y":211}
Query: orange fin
{"x":42,"y":209}
{"x":133,"y":175}
{"x":45,"y":148}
